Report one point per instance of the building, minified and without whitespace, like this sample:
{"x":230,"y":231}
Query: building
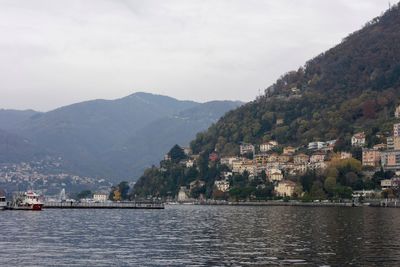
{"x":289,"y":150}
{"x":222,"y":185}
{"x":100,"y":197}
{"x":228,"y":161}
{"x":183,"y":194}
{"x":246,"y":149}
{"x":241,"y":166}
{"x":317,"y":157}
{"x":301,"y":158}
{"x":283,"y":158}
{"x":345,"y":155}
{"x":390,"y":143}
{"x":390,"y":160}
{"x":396,"y":142}
{"x":189,"y":163}
{"x":261,"y":159}
{"x":316,"y":145}
{"x":358,"y":139}
{"x":397,"y":112}
{"x":371,"y":157}
{"x":386,"y":184}
{"x":285,"y":188}
{"x":187,"y":151}
{"x":379,"y":147}
{"x":265,"y":147}
{"x":275,"y":175}
{"x":396,"y":129}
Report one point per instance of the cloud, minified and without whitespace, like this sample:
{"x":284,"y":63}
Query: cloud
{"x":59,"y":52}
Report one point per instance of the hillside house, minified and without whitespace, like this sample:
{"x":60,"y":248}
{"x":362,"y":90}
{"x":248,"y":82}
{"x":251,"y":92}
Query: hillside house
{"x":289,"y":150}
{"x":317,"y":157}
{"x":301,"y":158}
{"x":265,"y":147}
{"x":247,"y":149}
{"x":222,"y":185}
{"x":316,"y":145}
{"x":358,"y":139}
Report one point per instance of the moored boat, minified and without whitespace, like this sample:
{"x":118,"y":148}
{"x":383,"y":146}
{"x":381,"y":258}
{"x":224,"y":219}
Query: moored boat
{"x":3,"y":202}
{"x":26,"y":201}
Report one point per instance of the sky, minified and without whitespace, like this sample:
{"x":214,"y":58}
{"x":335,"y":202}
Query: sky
{"x":55,"y":53}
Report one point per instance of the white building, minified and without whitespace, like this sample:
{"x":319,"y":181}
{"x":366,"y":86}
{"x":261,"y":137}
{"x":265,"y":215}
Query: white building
{"x":246,"y":149}
{"x":100,"y":197}
{"x":265,"y":147}
{"x":358,"y":139}
{"x":316,"y":145}
{"x":222,"y":185}
{"x":182,"y":194}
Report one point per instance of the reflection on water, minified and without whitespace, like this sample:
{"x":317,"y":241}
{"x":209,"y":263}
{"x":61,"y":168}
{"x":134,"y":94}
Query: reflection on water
{"x":202,"y":235}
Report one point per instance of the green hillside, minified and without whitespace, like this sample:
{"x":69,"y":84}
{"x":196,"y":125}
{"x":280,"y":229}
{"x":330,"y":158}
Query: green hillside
{"x":352,"y":87}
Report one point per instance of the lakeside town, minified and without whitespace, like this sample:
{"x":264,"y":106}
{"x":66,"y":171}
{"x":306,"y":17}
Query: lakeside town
{"x":282,"y":165}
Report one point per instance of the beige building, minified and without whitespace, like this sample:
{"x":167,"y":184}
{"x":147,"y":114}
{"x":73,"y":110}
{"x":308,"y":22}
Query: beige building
{"x":396,"y":129}
{"x":397,"y":112}
{"x":301,"y":159}
{"x":100,"y":197}
{"x":289,"y":150}
{"x":396,"y":142}
{"x":317,"y":157}
{"x":371,"y":157}
{"x":275,"y":175}
{"x":285,"y":188}
{"x":241,"y":166}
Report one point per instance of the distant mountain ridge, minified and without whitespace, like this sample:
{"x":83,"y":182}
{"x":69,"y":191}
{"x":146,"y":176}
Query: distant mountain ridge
{"x":110,"y":138}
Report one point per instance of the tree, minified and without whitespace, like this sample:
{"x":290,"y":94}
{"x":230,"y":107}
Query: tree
{"x":123,"y":188}
{"x":176,"y":154}
{"x":85,"y":194}
{"x":329,"y":185}
{"x":316,"y":191}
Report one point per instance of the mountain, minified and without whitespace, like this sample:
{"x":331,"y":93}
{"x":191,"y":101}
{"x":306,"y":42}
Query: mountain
{"x":355,"y":86}
{"x":10,"y":120}
{"x":151,"y":142}
{"x":15,"y":148}
{"x":351,"y":87}
{"x":94,"y":137}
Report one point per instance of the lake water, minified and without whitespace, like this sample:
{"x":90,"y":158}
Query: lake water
{"x":202,"y":235}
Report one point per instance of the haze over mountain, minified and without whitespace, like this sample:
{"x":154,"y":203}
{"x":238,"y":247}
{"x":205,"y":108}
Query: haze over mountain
{"x":115,"y":139}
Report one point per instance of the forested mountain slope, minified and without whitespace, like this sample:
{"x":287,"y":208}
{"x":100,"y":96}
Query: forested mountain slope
{"x":353,"y":86}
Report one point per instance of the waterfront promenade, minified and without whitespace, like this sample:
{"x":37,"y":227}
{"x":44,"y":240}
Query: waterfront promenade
{"x":103,"y":205}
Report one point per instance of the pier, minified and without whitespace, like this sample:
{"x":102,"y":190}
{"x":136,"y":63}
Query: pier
{"x":103,"y":205}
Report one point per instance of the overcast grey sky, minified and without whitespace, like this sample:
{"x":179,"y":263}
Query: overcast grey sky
{"x":54,"y":53}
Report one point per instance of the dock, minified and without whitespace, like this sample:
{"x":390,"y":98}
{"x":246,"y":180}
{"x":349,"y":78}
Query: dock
{"x":103,"y":205}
